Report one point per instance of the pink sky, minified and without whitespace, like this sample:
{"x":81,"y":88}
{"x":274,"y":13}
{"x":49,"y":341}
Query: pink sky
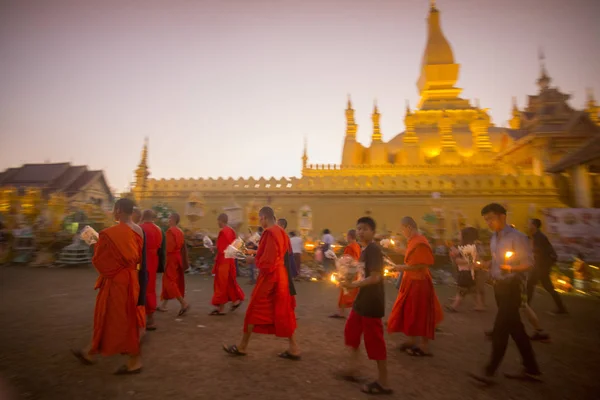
{"x":231,"y":87}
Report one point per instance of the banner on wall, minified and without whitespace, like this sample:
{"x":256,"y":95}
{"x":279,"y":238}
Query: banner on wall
{"x":574,"y":231}
{"x":305,"y":218}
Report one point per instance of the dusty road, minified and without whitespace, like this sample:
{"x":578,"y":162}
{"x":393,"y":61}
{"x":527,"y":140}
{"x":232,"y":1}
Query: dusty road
{"x":44,"y":312}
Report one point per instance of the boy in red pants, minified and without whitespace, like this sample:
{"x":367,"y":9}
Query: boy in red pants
{"x":368,"y":310}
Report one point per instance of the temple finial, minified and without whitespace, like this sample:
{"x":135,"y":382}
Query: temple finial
{"x":349,"y":102}
{"x":544,"y":79}
{"x":432,"y":3}
{"x":407,"y":107}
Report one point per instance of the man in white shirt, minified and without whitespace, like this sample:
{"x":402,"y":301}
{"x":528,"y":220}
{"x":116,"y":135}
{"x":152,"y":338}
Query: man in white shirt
{"x":297,"y":246}
{"x":328,"y":240}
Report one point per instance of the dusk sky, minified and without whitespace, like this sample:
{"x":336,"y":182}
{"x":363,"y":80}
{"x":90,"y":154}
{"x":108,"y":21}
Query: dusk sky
{"x":231,"y":87}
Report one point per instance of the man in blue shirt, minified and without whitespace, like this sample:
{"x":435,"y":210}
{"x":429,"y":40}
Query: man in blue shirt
{"x":512,"y":257}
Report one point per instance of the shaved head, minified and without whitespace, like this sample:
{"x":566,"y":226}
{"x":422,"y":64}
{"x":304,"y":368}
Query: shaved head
{"x":175,"y":218}
{"x":351,"y":234}
{"x":148,"y":215}
{"x":224,"y":218}
{"x":125,"y":206}
{"x":409,"y":222}
{"x":267,"y":212}
{"x":282,"y":222}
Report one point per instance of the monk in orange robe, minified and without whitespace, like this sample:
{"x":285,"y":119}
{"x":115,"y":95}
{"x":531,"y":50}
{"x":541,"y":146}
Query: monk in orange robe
{"x":226,"y":288}
{"x":173,"y":281}
{"x":117,"y":322}
{"x":271,"y":307}
{"x":417,"y":310}
{"x":154,"y":257}
{"x":346,"y":299}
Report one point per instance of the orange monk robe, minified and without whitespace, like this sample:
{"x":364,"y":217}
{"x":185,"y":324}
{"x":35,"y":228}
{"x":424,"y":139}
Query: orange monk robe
{"x":173,"y":281}
{"x":225,"y":285}
{"x":116,"y":316}
{"x":271,"y":307}
{"x":417,"y":310}
{"x":153,"y":236}
{"x":347,"y":299}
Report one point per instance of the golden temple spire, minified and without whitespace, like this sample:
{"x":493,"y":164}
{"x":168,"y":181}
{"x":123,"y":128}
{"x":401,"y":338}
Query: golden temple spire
{"x":376,"y":128}
{"x":515,"y":121}
{"x":592,"y":107}
{"x":439,"y":72}
{"x":305,"y":154}
{"x":351,"y":126}
{"x":142,"y":173}
{"x":410,"y":137}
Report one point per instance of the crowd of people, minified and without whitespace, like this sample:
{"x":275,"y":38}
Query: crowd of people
{"x":129,"y":255}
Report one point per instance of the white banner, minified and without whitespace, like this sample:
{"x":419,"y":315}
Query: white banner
{"x":574,"y":231}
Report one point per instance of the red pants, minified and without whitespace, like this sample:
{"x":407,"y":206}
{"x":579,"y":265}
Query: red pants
{"x":372,"y":329}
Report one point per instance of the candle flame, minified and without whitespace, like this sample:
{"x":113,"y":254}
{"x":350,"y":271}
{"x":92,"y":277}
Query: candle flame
{"x":313,"y":279}
{"x":508,"y":254}
{"x":332,"y":278}
{"x":386,"y":272}
{"x":392,"y":242}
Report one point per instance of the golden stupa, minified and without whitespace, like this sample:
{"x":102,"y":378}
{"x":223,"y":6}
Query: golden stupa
{"x":449,"y":162}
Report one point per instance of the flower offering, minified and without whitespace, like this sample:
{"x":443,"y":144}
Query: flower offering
{"x":469,"y":253}
{"x":348,"y":269}
{"x":89,"y":235}
{"x":207,"y":242}
{"x":236,"y":249}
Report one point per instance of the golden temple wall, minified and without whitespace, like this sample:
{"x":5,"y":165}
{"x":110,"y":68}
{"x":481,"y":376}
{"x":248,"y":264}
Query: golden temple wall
{"x":337,"y":202}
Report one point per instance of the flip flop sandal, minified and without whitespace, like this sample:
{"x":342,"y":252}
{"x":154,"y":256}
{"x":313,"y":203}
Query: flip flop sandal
{"x":123,"y":370}
{"x":82,"y":359}
{"x":183,"y":311}
{"x":350,"y":378}
{"x":405,"y":346}
{"x":161,"y":309}
{"x":416,"y":351}
{"x":235,"y":306}
{"x":375,"y":388}
{"x":151,"y":327}
{"x":233,"y":350}
{"x":216,"y":313}
{"x":289,"y":356}
{"x":337,"y":316}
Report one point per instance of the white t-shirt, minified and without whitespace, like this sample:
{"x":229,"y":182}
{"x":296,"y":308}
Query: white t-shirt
{"x":297,"y":244}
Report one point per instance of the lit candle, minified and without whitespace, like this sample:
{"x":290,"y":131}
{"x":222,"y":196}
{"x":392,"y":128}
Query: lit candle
{"x":507,"y":255}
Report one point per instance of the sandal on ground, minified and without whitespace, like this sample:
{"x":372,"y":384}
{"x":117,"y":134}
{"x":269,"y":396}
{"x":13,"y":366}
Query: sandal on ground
{"x":233,"y":350}
{"x":416,"y":351}
{"x":123,"y":370}
{"x":451,"y":309}
{"x":337,"y":316}
{"x":524,"y":376}
{"x":349,"y":377}
{"x":82,"y":358}
{"x":216,"y":313}
{"x":150,"y":327}
{"x":289,"y":356}
{"x":405,"y":346}
{"x":161,"y":309}
{"x":235,"y":306}
{"x":184,"y":310}
{"x":375,"y":388}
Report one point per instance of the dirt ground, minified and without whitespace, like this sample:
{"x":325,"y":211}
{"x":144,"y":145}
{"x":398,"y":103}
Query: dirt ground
{"x":45,"y":312}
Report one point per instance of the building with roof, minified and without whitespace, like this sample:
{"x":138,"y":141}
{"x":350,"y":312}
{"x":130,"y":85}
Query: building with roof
{"x":76,"y":182}
{"x":449,"y":161}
